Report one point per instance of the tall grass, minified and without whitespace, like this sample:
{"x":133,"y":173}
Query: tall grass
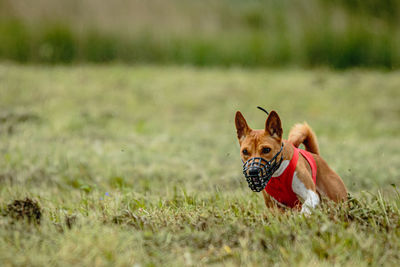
{"x":337,"y":33}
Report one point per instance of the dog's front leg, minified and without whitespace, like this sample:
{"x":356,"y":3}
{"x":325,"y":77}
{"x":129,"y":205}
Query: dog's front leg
{"x":311,"y":202}
{"x":272,"y":204}
{"x":308,"y":195}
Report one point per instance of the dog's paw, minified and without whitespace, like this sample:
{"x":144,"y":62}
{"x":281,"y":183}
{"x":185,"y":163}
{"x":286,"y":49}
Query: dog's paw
{"x":305,"y":210}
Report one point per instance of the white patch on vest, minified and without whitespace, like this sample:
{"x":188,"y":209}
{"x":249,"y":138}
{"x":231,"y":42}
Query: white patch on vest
{"x":281,"y":168}
{"x":309,"y":198}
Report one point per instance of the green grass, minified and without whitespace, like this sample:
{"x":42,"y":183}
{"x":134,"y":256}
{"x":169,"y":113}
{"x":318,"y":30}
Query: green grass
{"x":140,"y":165}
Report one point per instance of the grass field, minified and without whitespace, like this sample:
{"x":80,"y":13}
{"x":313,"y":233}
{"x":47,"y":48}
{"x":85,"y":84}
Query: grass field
{"x":139,"y":166}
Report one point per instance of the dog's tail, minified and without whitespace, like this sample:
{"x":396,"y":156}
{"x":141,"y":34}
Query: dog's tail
{"x":303,"y":134}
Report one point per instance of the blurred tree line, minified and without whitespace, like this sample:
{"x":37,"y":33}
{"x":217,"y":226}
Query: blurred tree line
{"x":308,"y":33}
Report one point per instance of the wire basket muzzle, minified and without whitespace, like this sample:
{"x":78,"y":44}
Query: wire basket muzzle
{"x":256,"y":171}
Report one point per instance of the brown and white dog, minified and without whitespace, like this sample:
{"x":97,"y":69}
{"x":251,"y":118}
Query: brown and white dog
{"x":267,"y":143}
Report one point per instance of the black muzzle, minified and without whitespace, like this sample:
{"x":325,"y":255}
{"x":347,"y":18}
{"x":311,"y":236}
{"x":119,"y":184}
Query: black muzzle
{"x":259,"y":171}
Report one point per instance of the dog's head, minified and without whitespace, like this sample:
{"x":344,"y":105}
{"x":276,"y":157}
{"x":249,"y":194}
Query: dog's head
{"x":259,"y":143}
{"x":259,"y":149}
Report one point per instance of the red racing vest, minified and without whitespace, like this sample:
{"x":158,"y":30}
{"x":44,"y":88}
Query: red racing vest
{"x":280,"y":187}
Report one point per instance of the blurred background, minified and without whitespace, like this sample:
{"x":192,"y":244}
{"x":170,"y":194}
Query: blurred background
{"x":306,"y":33}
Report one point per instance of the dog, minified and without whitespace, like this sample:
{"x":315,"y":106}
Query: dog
{"x":286,"y":175}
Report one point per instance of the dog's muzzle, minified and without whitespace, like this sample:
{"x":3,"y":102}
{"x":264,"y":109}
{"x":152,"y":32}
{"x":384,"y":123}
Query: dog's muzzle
{"x":259,"y":171}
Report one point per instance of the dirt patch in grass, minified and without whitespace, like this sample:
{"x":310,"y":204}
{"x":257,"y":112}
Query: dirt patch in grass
{"x":26,"y":209}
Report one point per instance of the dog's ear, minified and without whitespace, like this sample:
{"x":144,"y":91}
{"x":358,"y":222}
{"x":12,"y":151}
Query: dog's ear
{"x":241,"y":126}
{"x":273,"y":125}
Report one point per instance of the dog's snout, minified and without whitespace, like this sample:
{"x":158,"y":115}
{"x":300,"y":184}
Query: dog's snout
{"x":254,"y":171}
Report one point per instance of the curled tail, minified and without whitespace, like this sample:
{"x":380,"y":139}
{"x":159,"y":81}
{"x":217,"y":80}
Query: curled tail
{"x":302,"y":133}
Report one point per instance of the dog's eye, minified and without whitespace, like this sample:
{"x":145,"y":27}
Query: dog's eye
{"x":245,"y":152}
{"x":266,"y":150}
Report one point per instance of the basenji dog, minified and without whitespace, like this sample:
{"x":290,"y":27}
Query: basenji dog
{"x":287,"y":175}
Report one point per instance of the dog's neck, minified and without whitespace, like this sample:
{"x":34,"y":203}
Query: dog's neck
{"x":287,"y":154}
{"x":281,"y":168}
